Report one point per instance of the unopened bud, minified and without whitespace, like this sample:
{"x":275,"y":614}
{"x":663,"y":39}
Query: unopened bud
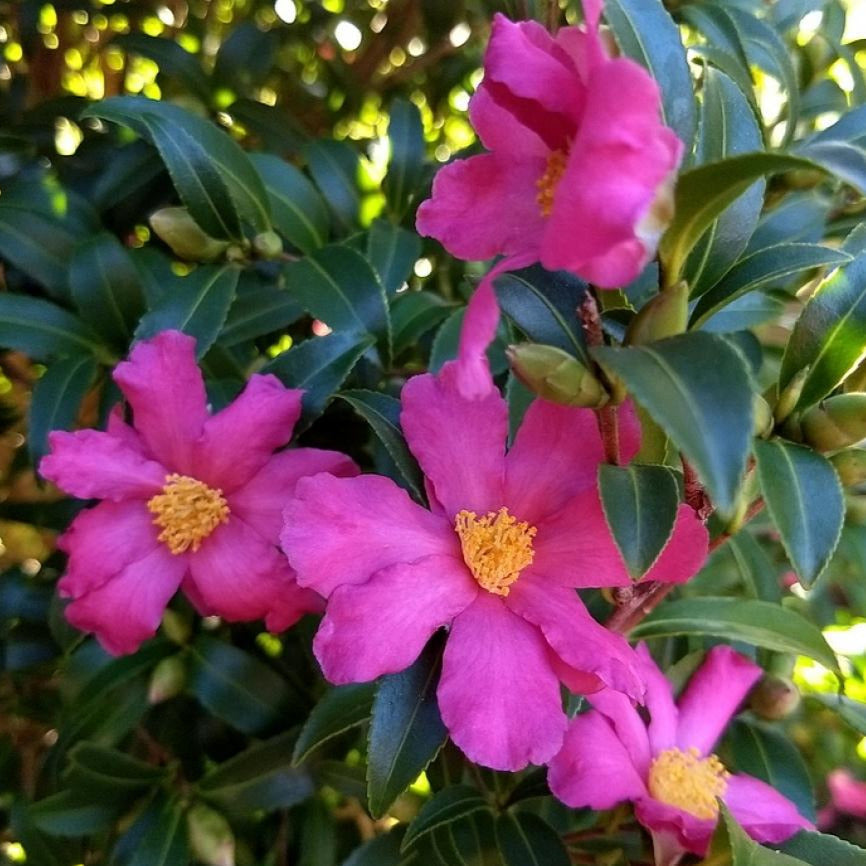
{"x":236,"y":253}
{"x":850,"y":466}
{"x":167,"y":680}
{"x":790,"y":395}
{"x":268,"y":245}
{"x":666,"y":315}
{"x":184,"y":235}
{"x":210,"y":837}
{"x":176,"y":627}
{"x":838,"y":423}
{"x":555,"y":375}
{"x":856,"y":381}
{"x":774,"y":698}
{"x":763,"y":417}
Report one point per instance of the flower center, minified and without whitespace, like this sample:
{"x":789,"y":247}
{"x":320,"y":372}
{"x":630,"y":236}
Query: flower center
{"x":187,"y":511}
{"x":688,"y":781}
{"x":548,"y":182}
{"x":496,"y":547}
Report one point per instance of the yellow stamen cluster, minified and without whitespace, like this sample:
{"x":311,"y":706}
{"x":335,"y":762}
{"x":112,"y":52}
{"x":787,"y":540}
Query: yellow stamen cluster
{"x":688,"y":781}
{"x":547,"y":183}
{"x":187,"y":511}
{"x":496,"y":547}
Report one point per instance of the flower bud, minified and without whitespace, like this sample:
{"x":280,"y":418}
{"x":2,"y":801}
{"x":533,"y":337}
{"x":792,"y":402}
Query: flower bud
{"x":789,"y":397}
{"x":774,"y":698}
{"x":182,"y":233}
{"x":666,"y":315}
{"x":850,"y":466}
{"x":210,"y":837}
{"x":268,"y":245}
{"x":167,"y":680}
{"x":838,"y":423}
{"x":555,"y":375}
{"x":176,"y":627}
{"x":763,"y":417}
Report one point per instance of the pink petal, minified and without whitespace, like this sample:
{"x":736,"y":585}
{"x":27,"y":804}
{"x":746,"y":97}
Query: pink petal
{"x":629,"y":726}
{"x":239,"y":440}
{"x":165,"y":389}
{"x":765,"y":814}
{"x":556,"y":454}
{"x":500,"y":130}
{"x":459,"y":442}
{"x":485,"y":206}
{"x":577,"y":682}
{"x":342,"y":530}
{"x":127,"y":609}
{"x":594,"y":768}
{"x":292,"y":602}
{"x":91,"y":464}
{"x":659,"y":701}
{"x":381,"y":626}
{"x":261,"y":500}
{"x":119,"y":429}
{"x":498,"y":696}
{"x":574,"y":635}
{"x":102,"y":541}
{"x":847,"y":793}
{"x":692,"y":833}
{"x":712,"y":697}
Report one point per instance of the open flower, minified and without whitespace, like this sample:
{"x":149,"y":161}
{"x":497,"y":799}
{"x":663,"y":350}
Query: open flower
{"x":667,"y":767}
{"x":579,"y":172}
{"x":495,"y":559}
{"x":191,"y":500}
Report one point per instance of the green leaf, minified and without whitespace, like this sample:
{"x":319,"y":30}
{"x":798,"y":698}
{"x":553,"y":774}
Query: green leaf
{"x":38,"y":244}
{"x":197,"y":304}
{"x":766,"y":753}
{"x":109,"y":772}
{"x":260,"y":777}
{"x":830,"y":335}
{"x":756,"y":571}
{"x":300,"y":215}
{"x":804,"y":498}
{"x":341,"y":709}
{"x":640,"y":506}
{"x":172,"y":59}
{"x":57,"y":398}
{"x":822,"y":849}
{"x":758,"y":623}
{"x":106,"y":288}
{"x":446,"y":806}
{"x":236,"y":686}
{"x":381,"y":851}
{"x":392,"y":251}
{"x":768,"y":267}
{"x":256,"y":312}
{"x":406,"y":135}
{"x":165,"y":844}
{"x":525,"y":839}
{"x":69,"y":814}
{"x":382,"y":413}
{"x":334,"y":167}
{"x":731,"y":846}
{"x":41,"y":851}
{"x":850,"y":711}
{"x":706,"y":409}
{"x":406,"y":730}
{"x":413,"y":314}
{"x":646,"y":32}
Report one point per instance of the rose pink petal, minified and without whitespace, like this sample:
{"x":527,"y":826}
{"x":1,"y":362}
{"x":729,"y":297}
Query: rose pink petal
{"x":241,"y":438}
{"x":92,"y":464}
{"x":498,"y":696}
{"x":765,"y":814}
{"x":692,"y":833}
{"x":127,"y":609}
{"x":292,"y":602}
{"x":847,"y":793}
{"x":381,"y":626}
{"x":342,"y":530}
{"x":500,"y":130}
{"x":119,"y":429}
{"x":627,"y":723}
{"x":593,"y":769}
{"x":165,"y":388}
{"x":577,"y":682}
{"x":712,"y":697}
{"x":659,"y":700}
{"x":459,"y":442}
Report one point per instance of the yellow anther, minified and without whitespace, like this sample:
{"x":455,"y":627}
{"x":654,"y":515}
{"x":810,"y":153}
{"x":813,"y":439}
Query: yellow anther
{"x":548,"y":182}
{"x":496,"y":547}
{"x":187,"y":511}
{"x":688,"y":781}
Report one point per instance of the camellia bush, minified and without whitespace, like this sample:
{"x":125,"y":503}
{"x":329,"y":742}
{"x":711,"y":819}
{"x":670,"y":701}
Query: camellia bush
{"x":430,"y":433}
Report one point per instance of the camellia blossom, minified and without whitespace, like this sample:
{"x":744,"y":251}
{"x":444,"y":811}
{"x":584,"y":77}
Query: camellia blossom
{"x":579,"y":173}
{"x":191,"y":500}
{"x":847,"y":797}
{"x":495,"y":559}
{"x":667,"y":767}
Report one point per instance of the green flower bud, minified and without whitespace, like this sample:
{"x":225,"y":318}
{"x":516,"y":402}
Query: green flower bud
{"x":838,"y":423}
{"x":167,"y":680}
{"x":176,"y":627}
{"x":774,"y":698}
{"x":187,"y":239}
{"x":789,"y":397}
{"x":268,"y":245}
{"x":210,"y":837}
{"x":666,"y":315}
{"x":850,"y":466}
{"x":236,"y":253}
{"x":763,"y":417}
{"x":555,"y":375}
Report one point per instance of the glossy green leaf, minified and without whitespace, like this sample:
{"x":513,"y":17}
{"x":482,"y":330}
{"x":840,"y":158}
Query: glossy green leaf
{"x":757,"y":573}
{"x":731,"y":846}
{"x":640,"y":506}
{"x":165,"y":844}
{"x":445,"y":342}
{"x":40,"y":849}
{"x":96,"y":768}
{"x":340,"y":709}
{"x":392,"y":251}
{"x":804,"y":498}
{"x":406,"y":136}
{"x":851,"y":711}
{"x":382,"y":851}
{"x":172,"y":59}
{"x":414,"y":314}
{"x":758,"y":623}
{"x":406,"y":730}
{"x":69,"y":814}
{"x":525,"y":839}
{"x":334,"y":167}
{"x":822,"y":849}
{"x":446,"y":806}
{"x":257,"y":312}
{"x":706,"y":409}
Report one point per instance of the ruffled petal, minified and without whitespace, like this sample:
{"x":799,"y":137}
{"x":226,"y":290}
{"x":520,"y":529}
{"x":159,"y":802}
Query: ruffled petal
{"x":459,"y":442}
{"x":381,"y":626}
{"x":239,"y":440}
{"x":119,"y":429}
{"x":261,"y":500}
{"x":342,"y":530}
{"x":500,"y":130}
{"x":498,"y":695}
{"x":712,"y":696}
{"x":127,"y":609}
{"x":165,"y":388}
{"x":594,"y":769}
{"x":628,"y":725}
{"x":764,"y":813}
{"x":91,"y":464}
{"x":659,"y":701}
{"x":692,"y":833}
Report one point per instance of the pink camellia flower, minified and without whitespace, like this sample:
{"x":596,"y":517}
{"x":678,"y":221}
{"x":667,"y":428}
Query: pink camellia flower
{"x":191,"y":500}
{"x":666,"y":767}
{"x":579,"y":172}
{"x":495,"y":559}
{"x":847,"y":794}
